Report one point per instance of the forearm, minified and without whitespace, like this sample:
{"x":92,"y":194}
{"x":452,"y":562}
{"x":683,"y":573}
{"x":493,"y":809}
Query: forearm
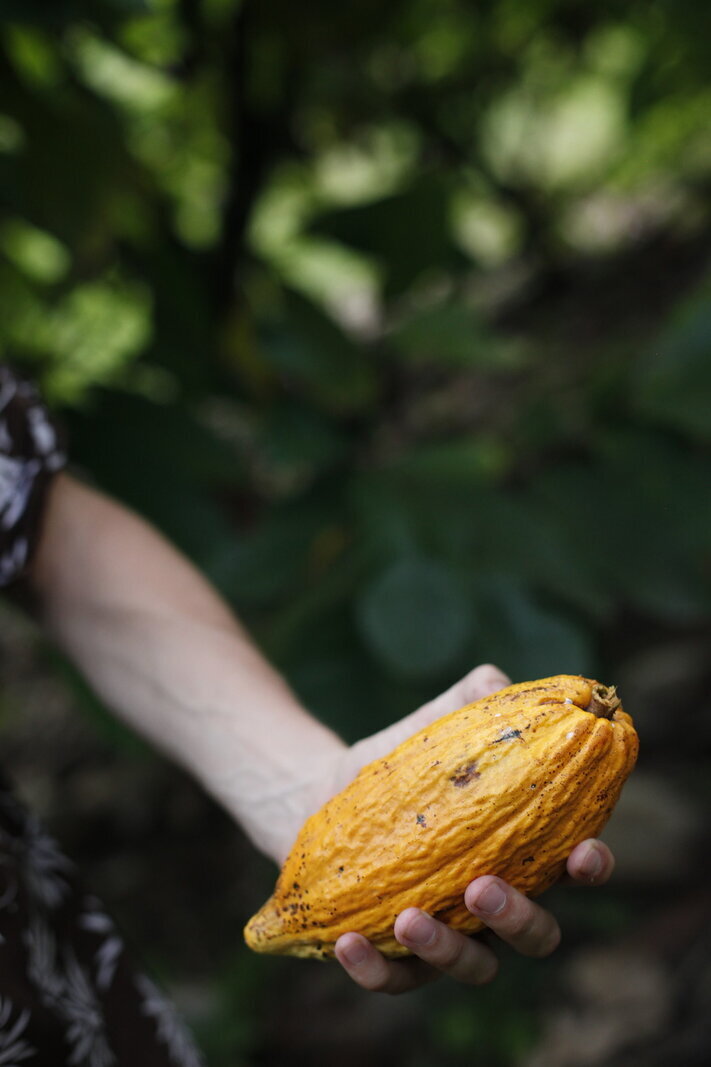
{"x":162,"y":650}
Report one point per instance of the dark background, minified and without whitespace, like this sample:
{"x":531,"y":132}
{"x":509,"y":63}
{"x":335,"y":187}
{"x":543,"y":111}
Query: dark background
{"x":397,"y":319}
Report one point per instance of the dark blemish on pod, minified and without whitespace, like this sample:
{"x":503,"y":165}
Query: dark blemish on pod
{"x":421,"y":821}
{"x":465,"y":775}
{"x":528,"y":859}
{"x":508,"y":735}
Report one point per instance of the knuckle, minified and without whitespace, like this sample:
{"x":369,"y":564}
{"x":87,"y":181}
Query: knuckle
{"x":376,"y":983}
{"x":447,"y":951}
{"x":487,"y":973}
{"x":549,"y":942}
{"x":520,"y":924}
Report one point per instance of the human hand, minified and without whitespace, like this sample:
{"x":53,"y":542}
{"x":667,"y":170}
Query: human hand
{"x":437,"y":949}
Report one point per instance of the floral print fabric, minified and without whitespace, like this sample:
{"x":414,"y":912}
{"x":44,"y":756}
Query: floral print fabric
{"x":70,"y":995}
{"x":69,"y":992}
{"x":31,"y":452}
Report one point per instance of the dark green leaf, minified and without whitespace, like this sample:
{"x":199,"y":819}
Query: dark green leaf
{"x":415,"y":617}
{"x":273,"y":560}
{"x":452,"y":334}
{"x":315,"y":357}
{"x":524,"y":639}
{"x":408,"y":233}
{"x":675,"y":376}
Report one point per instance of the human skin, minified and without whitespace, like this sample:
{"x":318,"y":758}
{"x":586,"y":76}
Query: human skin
{"x":162,"y":649}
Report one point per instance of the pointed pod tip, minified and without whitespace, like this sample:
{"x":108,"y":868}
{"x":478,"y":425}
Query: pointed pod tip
{"x":264,"y":928}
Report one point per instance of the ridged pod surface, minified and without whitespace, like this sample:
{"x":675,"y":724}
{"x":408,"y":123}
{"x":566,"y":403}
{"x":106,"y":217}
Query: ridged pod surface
{"x":505,"y":786}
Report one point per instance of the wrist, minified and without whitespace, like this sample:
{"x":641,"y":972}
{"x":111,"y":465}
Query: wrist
{"x":273,"y":796}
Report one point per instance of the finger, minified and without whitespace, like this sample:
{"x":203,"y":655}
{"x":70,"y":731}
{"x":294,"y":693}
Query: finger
{"x":526,"y":926}
{"x":372,"y":971}
{"x":445,"y":949}
{"x":590,"y":863}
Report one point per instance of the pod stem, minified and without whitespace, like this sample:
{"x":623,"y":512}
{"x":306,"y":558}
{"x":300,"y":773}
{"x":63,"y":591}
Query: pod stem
{"x":604,"y":701}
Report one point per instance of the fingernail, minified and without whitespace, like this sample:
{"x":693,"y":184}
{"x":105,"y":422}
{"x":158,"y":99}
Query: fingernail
{"x":591,"y":866}
{"x":491,"y":900}
{"x":420,"y":930}
{"x":354,"y":953}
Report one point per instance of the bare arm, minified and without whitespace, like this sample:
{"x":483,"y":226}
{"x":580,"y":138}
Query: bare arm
{"x":164,"y":651}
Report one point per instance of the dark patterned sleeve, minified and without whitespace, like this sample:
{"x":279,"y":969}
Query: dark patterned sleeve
{"x":31,"y":453}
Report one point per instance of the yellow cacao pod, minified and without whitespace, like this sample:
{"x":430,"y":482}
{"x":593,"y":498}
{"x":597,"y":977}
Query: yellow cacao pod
{"x":505,"y":786}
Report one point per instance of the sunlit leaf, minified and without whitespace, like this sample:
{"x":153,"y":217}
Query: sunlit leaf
{"x":37,"y":253}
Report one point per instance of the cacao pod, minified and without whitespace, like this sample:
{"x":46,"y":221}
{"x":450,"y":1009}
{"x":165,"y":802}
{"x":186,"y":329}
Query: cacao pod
{"x":507,"y":785}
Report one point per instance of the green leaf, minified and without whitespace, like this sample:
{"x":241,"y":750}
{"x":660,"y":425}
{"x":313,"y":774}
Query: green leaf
{"x":408,"y":233}
{"x":56,"y":12}
{"x":460,"y":463}
{"x":636,"y":521}
{"x":120,"y":434}
{"x":451,"y":334}
{"x":295,"y":445}
{"x":415,"y":617}
{"x":316,"y":358}
{"x":674,"y":378}
{"x":523,"y":638}
{"x":334,"y":675}
{"x":436,"y":500}
{"x":271,"y":561}
{"x":160,"y":460}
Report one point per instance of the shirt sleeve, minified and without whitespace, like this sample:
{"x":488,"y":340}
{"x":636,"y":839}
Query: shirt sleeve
{"x":31,"y":452}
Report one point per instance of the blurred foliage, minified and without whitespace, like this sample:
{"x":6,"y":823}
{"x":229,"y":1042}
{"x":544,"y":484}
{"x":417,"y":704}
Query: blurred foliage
{"x":396,"y":319}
